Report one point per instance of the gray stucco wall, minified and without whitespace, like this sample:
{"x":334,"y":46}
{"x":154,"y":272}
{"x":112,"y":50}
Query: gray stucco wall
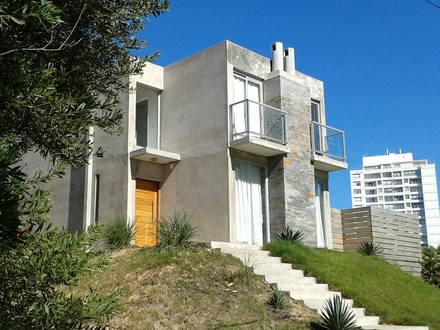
{"x":67,"y":192}
{"x":195,"y":119}
{"x":113,"y":170}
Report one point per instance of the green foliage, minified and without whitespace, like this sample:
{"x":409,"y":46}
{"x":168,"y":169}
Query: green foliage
{"x":33,"y":272}
{"x":383,"y":289}
{"x":287,"y":234}
{"x":64,"y":63}
{"x":431,"y":265}
{"x":336,"y":315}
{"x":277,"y":300}
{"x":175,"y":231}
{"x":369,"y":249}
{"x":118,"y":233}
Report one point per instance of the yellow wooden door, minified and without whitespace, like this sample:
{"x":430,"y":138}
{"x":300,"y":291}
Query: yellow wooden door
{"x":146,"y":213}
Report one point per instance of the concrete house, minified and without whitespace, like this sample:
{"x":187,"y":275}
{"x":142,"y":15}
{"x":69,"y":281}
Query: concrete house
{"x":235,"y":138}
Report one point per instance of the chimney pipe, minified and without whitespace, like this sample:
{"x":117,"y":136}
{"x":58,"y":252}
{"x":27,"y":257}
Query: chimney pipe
{"x":277,"y":56}
{"x":289,"y":60}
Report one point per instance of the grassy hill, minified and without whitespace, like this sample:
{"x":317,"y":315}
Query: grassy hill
{"x":200,"y":288}
{"x":191,"y":289}
{"x":381,"y":288}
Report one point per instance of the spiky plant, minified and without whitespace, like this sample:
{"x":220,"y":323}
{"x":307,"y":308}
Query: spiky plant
{"x":277,"y":300}
{"x":369,"y":248}
{"x":118,"y":233}
{"x":287,"y":234}
{"x":336,"y":315}
{"x":175,"y":231}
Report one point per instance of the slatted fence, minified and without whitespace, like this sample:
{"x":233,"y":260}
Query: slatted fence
{"x":397,"y":233}
{"x":336,"y":230}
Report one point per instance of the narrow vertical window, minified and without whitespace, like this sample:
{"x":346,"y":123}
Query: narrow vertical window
{"x":97,"y":184}
{"x":316,"y":135}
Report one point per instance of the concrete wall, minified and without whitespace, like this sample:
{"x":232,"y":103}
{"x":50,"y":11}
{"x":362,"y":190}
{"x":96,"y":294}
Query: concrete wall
{"x":113,"y":171}
{"x":67,"y":192}
{"x":194,"y":117}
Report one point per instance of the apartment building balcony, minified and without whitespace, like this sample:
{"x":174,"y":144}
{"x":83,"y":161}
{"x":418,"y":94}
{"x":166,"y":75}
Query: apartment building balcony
{"x":328,"y":148}
{"x":258,"y":129}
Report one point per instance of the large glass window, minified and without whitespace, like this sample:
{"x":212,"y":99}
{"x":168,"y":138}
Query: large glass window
{"x":147,"y":118}
{"x":246,"y":116}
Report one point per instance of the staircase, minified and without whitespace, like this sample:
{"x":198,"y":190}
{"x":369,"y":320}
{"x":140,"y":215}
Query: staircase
{"x":305,"y":289}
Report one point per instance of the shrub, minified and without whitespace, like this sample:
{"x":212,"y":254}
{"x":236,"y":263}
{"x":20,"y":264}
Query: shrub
{"x":118,"y":233}
{"x":336,"y":315}
{"x":277,"y":300}
{"x":175,"y":231}
{"x":369,"y":249}
{"x":287,"y":234}
{"x":431,"y":265}
{"x":34,"y":273}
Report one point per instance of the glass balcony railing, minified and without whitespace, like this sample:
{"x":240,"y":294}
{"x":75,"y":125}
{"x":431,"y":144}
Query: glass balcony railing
{"x":328,"y":142}
{"x":253,"y":119}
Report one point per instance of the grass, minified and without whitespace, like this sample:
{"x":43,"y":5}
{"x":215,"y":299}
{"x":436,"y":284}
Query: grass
{"x":381,"y":288}
{"x":195,"y":288}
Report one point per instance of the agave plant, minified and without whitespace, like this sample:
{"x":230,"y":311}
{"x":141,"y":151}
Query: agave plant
{"x":277,"y":300}
{"x":287,"y":234}
{"x":336,"y":315}
{"x":369,"y":248}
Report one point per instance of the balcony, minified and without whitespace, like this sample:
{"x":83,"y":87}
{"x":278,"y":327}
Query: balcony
{"x":328,"y":148}
{"x":258,"y":129}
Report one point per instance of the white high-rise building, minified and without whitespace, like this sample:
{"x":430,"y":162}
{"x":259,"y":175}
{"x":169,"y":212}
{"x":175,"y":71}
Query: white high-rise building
{"x":397,"y":182}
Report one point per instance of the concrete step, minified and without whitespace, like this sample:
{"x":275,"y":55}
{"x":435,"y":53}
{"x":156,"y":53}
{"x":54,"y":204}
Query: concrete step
{"x":279,"y":274}
{"x":301,"y":287}
{"x":367,"y":321}
{"x":301,"y":295}
{"x":217,"y":245}
{"x":244,"y":253}
{"x":358,"y":312}
{"x":255,"y":260}
{"x":286,"y":280}
{"x":263,"y":266}
{"x":318,"y":303}
{"x":394,"y":327}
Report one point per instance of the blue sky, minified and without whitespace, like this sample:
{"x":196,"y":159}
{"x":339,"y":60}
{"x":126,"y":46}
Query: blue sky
{"x":379,"y":61}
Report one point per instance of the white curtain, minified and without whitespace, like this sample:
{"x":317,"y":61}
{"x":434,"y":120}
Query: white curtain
{"x":248,"y":203}
{"x":254,"y":109}
{"x":238,"y":111}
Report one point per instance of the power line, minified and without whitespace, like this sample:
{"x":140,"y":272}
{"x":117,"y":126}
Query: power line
{"x":432,"y":3}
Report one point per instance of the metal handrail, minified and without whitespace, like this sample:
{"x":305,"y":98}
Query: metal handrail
{"x":268,"y":127}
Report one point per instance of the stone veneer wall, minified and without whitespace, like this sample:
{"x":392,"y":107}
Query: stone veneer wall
{"x":277,"y":205}
{"x":299,"y":180}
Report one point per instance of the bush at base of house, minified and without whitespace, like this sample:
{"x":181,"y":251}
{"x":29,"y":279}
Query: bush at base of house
{"x":118,"y":233}
{"x":175,"y":231}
